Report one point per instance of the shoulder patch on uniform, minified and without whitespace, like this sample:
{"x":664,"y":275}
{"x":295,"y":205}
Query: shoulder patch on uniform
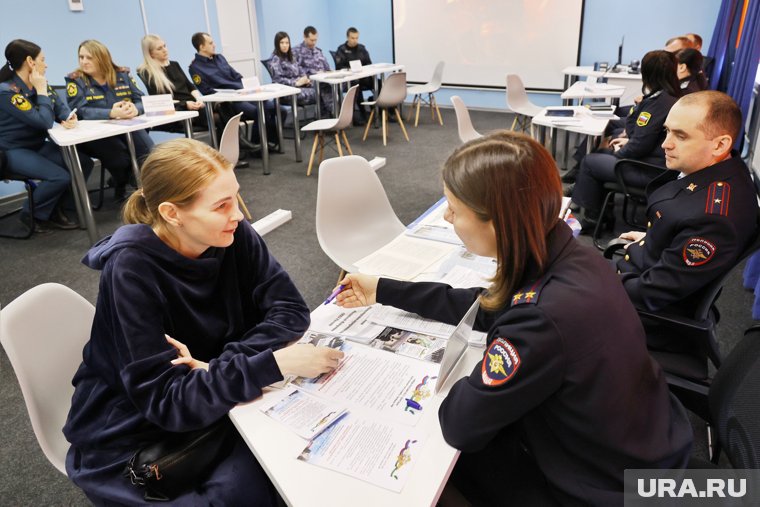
{"x":20,"y":102}
{"x":500,"y":362}
{"x":698,"y":251}
{"x":718,"y":198}
{"x":196,"y":79}
{"x":71,"y":89}
{"x":643,"y":118}
{"x":529,"y":293}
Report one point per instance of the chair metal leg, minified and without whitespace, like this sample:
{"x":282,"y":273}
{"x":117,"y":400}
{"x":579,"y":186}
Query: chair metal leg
{"x":369,"y":122}
{"x":401,"y":123}
{"x":337,"y":143}
{"x":385,"y":129}
{"x":600,"y":220}
{"x":345,"y":141}
{"x":313,"y":151}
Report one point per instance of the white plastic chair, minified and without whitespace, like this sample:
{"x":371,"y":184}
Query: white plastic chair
{"x":466,"y":131}
{"x":229,"y":147}
{"x":391,"y":96}
{"x":43,"y":332}
{"x":337,"y":125}
{"x":520,"y":104}
{"x":354,"y":217}
{"x":430,"y":88}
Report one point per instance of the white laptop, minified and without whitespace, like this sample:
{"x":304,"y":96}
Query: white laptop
{"x":456,"y":345}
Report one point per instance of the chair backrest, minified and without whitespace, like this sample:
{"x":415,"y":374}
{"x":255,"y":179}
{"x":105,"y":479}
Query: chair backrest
{"x":437,"y":75}
{"x":734,"y":401}
{"x":267,"y":65}
{"x":336,"y":59}
{"x":346,"y":115}
{"x":43,"y":332}
{"x":466,"y":131}
{"x":354,"y":217}
{"x":517,"y":97}
{"x":394,"y":90}
{"x":229,"y":146}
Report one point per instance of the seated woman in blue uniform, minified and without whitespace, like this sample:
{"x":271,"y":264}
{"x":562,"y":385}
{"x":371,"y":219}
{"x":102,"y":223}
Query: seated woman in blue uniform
{"x":286,"y":70}
{"x":163,"y":76}
{"x":187,"y":266}
{"x":100,"y":90}
{"x":28,"y":108}
{"x":641,"y":139}
{"x":561,"y":403}
{"x":689,"y":70}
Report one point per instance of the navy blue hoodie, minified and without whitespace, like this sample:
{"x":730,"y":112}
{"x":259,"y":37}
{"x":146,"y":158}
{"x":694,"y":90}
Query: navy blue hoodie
{"x":231,"y":307}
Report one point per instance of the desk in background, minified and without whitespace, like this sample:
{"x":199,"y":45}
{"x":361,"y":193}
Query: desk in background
{"x":92,"y":130}
{"x":631,"y":82}
{"x":267,"y":92}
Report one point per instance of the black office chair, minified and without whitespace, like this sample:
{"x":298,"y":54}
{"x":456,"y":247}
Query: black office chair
{"x":687,"y":372}
{"x":338,"y":61}
{"x":30,"y":185}
{"x":734,"y":404}
{"x":633,"y":196}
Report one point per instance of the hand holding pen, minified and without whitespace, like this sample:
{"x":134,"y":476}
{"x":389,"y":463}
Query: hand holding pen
{"x":355,"y":290}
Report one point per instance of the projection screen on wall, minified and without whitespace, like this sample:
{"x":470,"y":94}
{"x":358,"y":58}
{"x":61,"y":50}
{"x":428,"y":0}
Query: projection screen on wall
{"x":482,"y":41}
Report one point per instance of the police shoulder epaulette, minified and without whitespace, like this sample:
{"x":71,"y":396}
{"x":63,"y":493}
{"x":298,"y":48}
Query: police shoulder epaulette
{"x":718,"y":198}
{"x":74,"y":75}
{"x":530,"y":293}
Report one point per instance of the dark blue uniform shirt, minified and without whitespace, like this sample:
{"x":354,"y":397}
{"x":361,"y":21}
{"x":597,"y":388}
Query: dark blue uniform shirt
{"x":215,"y":72}
{"x":94,"y":101}
{"x":644,"y":127}
{"x":25,"y":117}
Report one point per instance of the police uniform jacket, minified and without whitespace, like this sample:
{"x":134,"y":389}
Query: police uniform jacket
{"x":698,"y":227}
{"x":25,"y":117}
{"x":644,"y":127}
{"x":94,"y":101}
{"x":346,"y":54}
{"x":311,"y":60}
{"x":587,"y":398}
{"x":215,"y":72}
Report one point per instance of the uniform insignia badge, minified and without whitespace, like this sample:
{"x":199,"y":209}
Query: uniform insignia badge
{"x":500,"y":362}
{"x":643,"y":119}
{"x":71,"y":89}
{"x":529,"y":294}
{"x":698,"y":251}
{"x":196,"y":79}
{"x":691,"y":187}
{"x":20,"y":102}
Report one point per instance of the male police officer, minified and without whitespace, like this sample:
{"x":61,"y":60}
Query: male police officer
{"x":699,"y":224}
{"x":311,"y":60}
{"x":349,"y":51}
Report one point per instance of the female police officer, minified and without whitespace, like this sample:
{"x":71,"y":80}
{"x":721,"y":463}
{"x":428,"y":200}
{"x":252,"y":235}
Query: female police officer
{"x":561,"y":404}
{"x":100,"y":89}
{"x":28,"y":108}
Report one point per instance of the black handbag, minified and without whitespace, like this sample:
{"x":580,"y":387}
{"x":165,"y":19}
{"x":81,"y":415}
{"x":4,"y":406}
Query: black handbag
{"x":177,"y":464}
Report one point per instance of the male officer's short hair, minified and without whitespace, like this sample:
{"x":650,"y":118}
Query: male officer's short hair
{"x":723,"y":115}
{"x":198,"y":39}
{"x":351,"y":30}
{"x":309,"y":30}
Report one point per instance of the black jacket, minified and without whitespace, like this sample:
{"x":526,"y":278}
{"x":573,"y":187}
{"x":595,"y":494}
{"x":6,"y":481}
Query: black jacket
{"x":587,"y":396}
{"x":346,"y":54}
{"x":698,"y":227}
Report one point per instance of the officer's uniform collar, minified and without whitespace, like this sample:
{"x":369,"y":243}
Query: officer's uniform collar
{"x":699,"y":180}
{"x":556,"y":241}
{"x":202,"y":58}
{"x":22,"y":85}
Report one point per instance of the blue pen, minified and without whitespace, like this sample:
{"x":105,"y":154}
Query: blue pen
{"x":334,"y":293}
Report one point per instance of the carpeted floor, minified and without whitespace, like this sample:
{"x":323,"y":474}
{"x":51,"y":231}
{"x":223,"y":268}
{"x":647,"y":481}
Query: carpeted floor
{"x":412,"y":182}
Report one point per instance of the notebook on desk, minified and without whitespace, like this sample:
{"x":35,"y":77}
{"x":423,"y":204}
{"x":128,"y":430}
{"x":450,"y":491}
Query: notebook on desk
{"x":456,"y":346}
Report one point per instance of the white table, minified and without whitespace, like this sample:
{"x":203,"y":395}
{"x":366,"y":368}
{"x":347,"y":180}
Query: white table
{"x":581,"y":90}
{"x":335,"y":78}
{"x":267,"y":92}
{"x":300,"y":483}
{"x":92,"y":130}
{"x":584,"y":122}
{"x":631,"y":82}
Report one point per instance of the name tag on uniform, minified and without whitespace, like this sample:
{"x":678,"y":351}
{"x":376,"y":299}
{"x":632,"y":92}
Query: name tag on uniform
{"x":157,"y":105}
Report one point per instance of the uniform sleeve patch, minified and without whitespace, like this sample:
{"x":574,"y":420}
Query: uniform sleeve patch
{"x":20,"y":102}
{"x":643,"y":119}
{"x":698,"y":251}
{"x":500,"y":363}
{"x":196,"y":79}
{"x":71,"y":89}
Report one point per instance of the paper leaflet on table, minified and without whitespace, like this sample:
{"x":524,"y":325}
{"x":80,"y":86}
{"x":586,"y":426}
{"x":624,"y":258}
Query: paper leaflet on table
{"x":410,"y":344}
{"x":396,"y":388}
{"x":377,"y":452}
{"x":305,"y":415}
{"x":403,"y":258}
{"x":431,"y":225}
{"x":393,"y":317}
{"x":353,"y":323}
